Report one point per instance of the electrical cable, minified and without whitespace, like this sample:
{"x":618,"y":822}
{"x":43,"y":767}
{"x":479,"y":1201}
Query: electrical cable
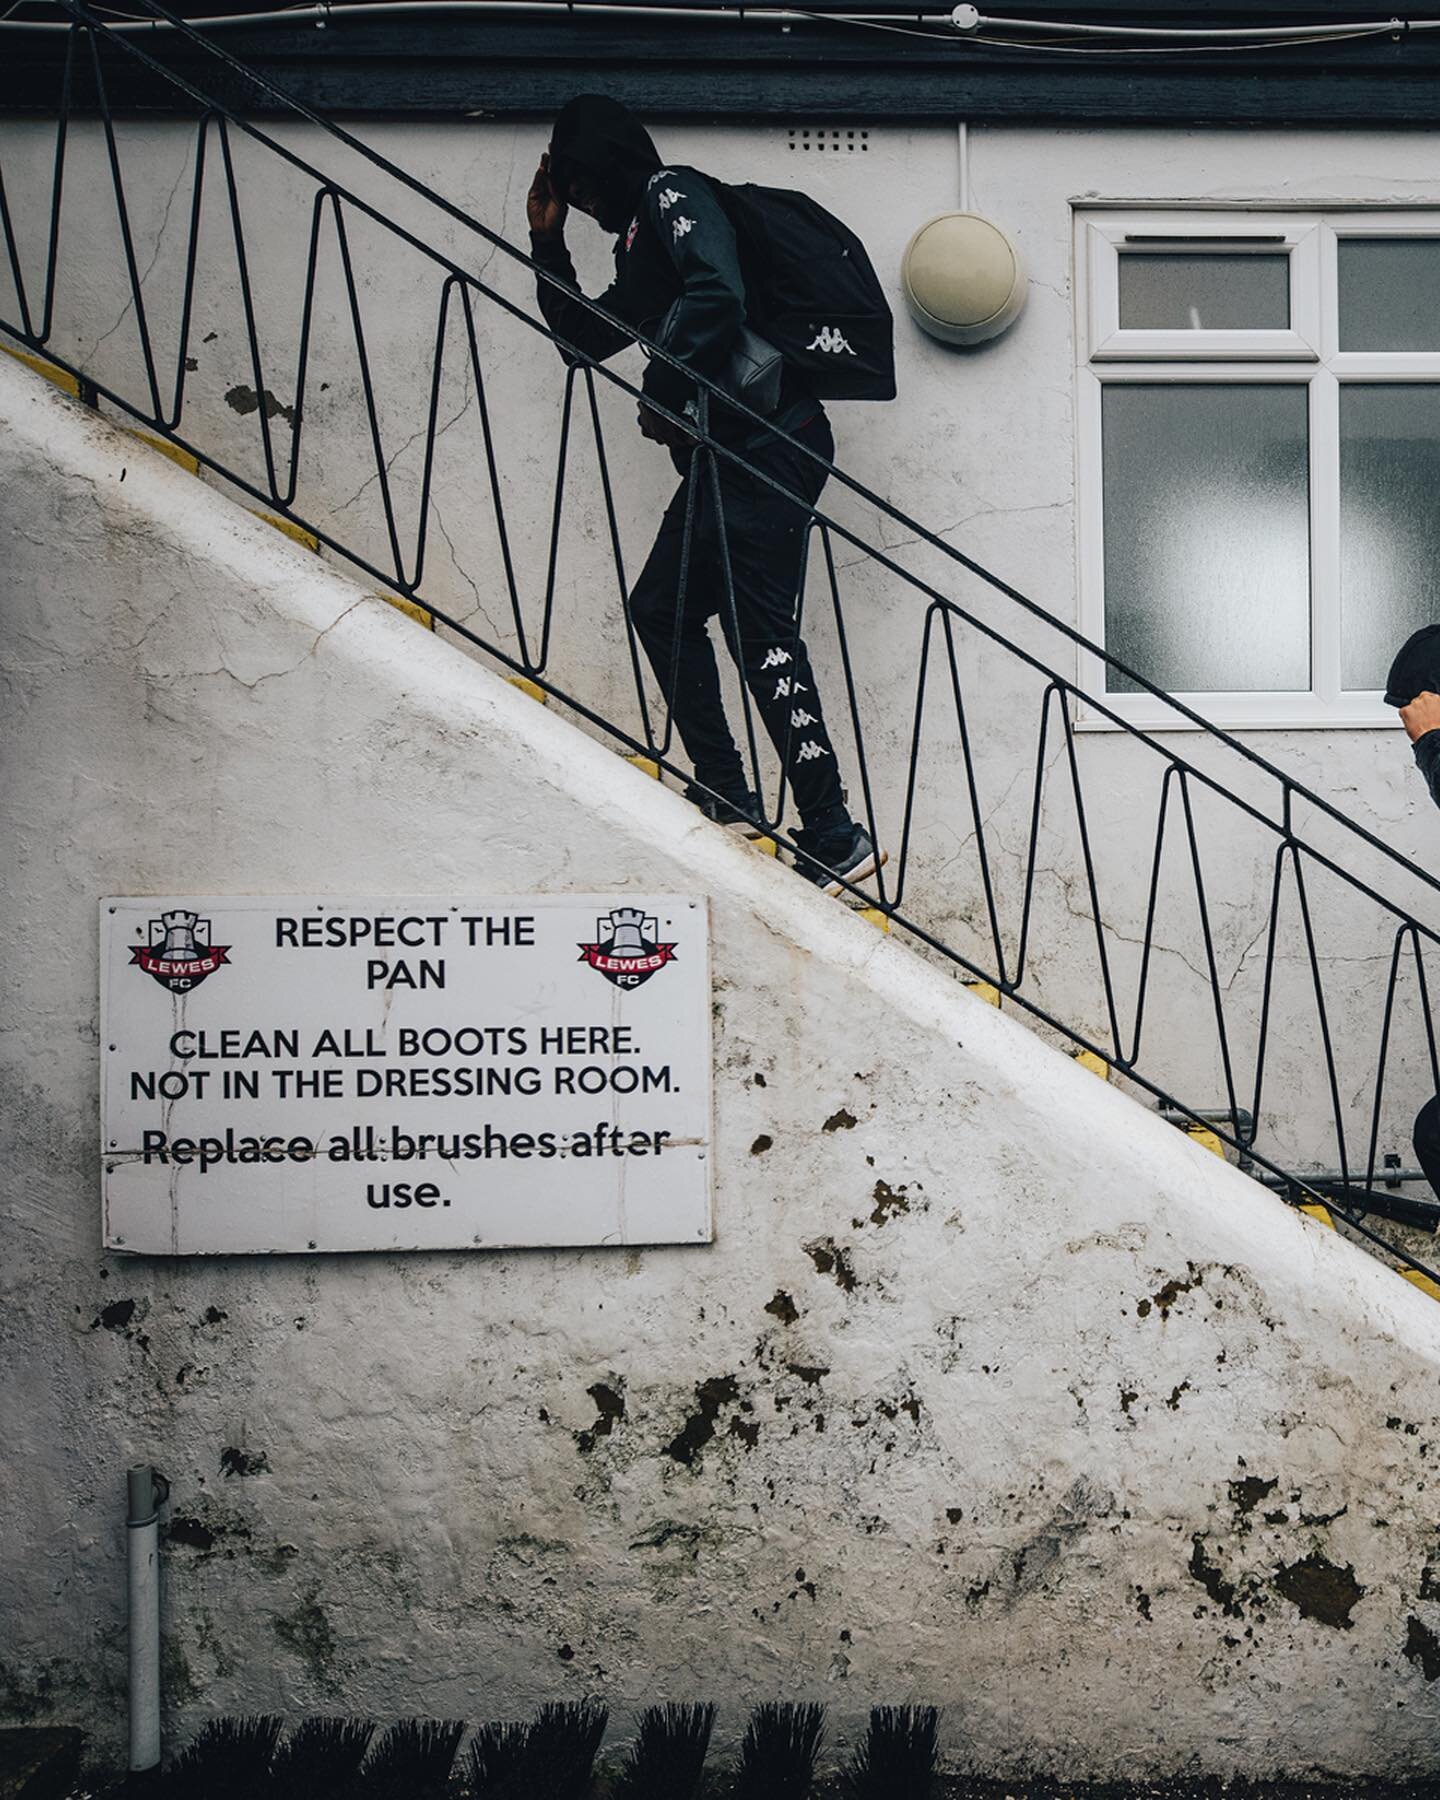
{"x":1293,"y":33}
{"x":1201,"y":41}
{"x":1336,"y":35}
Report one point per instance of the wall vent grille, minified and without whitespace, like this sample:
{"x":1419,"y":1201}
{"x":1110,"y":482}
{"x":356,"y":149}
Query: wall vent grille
{"x":828,"y":138}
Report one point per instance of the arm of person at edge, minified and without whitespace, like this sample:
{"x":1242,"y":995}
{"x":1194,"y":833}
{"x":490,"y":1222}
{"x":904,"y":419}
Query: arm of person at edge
{"x":575,"y":323}
{"x":704,"y":321}
{"x":1421,"y":718}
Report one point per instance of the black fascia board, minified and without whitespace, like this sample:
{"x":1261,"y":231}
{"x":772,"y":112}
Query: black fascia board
{"x":491,"y":63}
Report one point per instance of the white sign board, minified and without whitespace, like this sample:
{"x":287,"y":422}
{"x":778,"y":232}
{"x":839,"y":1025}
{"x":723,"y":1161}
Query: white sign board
{"x":383,"y":1074}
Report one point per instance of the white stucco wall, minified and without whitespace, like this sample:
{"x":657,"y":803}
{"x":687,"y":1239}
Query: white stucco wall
{"x":992,"y":1392}
{"x":980,"y":446}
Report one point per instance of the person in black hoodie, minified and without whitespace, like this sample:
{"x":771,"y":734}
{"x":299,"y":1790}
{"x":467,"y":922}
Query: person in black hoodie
{"x":678,"y":282}
{"x":1414,"y":686}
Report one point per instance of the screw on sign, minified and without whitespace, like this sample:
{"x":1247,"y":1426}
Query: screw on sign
{"x":627,"y":950}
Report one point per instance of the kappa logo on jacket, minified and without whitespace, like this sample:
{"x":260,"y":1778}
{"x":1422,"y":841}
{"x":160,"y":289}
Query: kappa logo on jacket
{"x":830,"y":338}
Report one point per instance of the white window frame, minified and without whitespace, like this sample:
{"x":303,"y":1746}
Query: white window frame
{"x":1171,"y":233}
{"x":1306,"y":354}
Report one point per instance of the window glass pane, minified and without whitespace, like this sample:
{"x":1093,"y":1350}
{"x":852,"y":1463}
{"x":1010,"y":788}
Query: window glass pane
{"x":1204,"y":292}
{"x":1389,"y":293}
{"x":1207,"y":552}
{"x":1389,"y":523}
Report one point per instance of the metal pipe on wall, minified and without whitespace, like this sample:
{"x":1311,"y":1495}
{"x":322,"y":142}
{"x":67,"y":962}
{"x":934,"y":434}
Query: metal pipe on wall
{"x":146,"y":1491}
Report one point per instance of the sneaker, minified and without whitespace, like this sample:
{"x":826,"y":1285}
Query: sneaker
{"x":738,"y":811}
{"x":831,"y":858}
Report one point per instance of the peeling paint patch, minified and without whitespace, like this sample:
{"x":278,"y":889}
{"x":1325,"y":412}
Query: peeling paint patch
{"x":191,"y":1533}
{"x":830,"y":1259}
{"x":1172,"y":1290}
{"x":887,"y":1200}
{"x":610,"y":1408}
{"x":844,"y":1120}
{"x":697,"y":1431}
{"x":241,"y":1462}
{"x":761,"y":1144}
{"x":1246,"y":1494}
{"x":1212,"y":1579}
{"x":907,"y":1403}
{"x":244,"y":400}
{"x":809,"y":1373}
{"x":1423,"y":1648}
{"x":116,"y":1316}
{"x":783,"y":1308}
{"x":1321,"y":1590}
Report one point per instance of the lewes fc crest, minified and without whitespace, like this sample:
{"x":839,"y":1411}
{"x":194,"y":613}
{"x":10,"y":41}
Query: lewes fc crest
{"x":626,"y":950}
{"x":179,"y":954}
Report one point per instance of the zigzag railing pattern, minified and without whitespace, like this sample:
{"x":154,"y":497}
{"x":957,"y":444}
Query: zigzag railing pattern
{"x":1134,"y":844}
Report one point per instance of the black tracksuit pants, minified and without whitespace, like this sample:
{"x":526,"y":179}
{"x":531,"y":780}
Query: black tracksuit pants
{"x":763,"y":538}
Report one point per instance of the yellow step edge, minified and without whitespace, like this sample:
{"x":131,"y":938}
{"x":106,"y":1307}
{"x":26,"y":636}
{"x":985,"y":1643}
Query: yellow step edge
{"x":1423,"y":1282}
{"x":62,"y":378}
{"x":410,"y":608}
{"x":1321,"y":1214}
{"x":1206,"y":1139}
{"x":872,"y":915}
{"x":1097,"y":1065}
{"x":984,"y":990}
{"x":647,"y":765}
{"x":185,"y":458}
{"x":766,"y":846}
{"x":297,"y":533}
{"x":532,"y":688}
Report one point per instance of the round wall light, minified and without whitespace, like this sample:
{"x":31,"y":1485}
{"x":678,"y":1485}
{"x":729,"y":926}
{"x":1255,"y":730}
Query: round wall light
{"x":963,"y":278}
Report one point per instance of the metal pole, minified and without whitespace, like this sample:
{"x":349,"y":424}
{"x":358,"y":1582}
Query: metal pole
{"x":147,"y":1490}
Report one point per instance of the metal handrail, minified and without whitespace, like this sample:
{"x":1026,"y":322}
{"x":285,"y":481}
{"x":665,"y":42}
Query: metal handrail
{"x":943,"y":617}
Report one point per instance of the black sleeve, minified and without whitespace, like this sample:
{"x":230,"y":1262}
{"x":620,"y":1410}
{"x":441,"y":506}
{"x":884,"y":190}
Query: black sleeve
{"x":701,"y":326}
{"x":578,"y":327}
{"x":1427,"y":756}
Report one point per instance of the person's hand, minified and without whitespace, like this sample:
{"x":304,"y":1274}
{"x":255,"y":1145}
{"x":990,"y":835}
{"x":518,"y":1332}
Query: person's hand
{"x":544,"y":208}
{"x":1421,"y":715}
{"x":661,"y":430}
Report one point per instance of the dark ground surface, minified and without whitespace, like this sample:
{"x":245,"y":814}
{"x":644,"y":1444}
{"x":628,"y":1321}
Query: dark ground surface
{"x":966,"y":1788}
{"x":963,"y":1789}
{"x":960,"y":1787}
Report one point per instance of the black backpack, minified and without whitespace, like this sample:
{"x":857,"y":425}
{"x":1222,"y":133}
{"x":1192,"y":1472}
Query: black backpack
{"x":812,"y":290}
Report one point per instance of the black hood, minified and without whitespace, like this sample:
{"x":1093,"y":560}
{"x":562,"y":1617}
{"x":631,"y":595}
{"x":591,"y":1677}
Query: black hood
{"x":602,"y":139}
{"x":1416,"y":670}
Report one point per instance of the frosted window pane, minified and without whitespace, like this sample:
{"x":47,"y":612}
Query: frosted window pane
{"x":1195,"y":292}
{"x":1207,"y":551}
{"x":1389,"y":523}
{"x":1389,"y":293}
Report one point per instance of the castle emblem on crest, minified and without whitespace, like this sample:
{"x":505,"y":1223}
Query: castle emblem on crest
{"x":627,"y":950}
{"x":179,"y":954}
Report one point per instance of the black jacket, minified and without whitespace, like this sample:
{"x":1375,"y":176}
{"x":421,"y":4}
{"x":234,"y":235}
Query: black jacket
{"x":678,"y":282}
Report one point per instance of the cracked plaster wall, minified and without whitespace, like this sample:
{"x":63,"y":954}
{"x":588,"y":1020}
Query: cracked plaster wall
{"x":992,"y":1391}
{"x":981,"y":447}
